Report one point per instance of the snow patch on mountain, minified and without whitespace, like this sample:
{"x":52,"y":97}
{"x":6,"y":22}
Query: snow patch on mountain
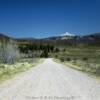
{"x":67,"y":34}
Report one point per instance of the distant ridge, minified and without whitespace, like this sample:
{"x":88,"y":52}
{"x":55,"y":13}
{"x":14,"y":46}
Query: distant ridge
{"x":26,"y":39}
{"x":66,"y":39}
{"x":64,"y":36}
{"x":4,"y":36}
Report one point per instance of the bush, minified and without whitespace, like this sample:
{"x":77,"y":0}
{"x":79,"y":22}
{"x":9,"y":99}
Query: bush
{"x":56,"y":56}
{"x":64,"y":50}
{"x":62,"y":59}
{"x":68,"y":59}
{"x":44,"y":54}
{"x":57,"y":50}
{"x":97,"y":70}
{"x":85,"y":59}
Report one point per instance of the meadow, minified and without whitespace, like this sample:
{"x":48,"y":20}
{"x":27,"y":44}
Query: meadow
{"x":83,"y":59}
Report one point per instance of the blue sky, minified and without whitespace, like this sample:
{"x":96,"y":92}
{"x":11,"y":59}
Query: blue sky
{"x":43,"y":18}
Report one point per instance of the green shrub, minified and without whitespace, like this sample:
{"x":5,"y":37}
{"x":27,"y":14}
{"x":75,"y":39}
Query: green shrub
{"x":62,"y":59}
{"x":68,"y":59}
{"x":44,"y":54}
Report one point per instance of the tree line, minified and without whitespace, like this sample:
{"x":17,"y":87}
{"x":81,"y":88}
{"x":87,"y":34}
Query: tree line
{"x":44,"y":49}
{"x":11,"y":51}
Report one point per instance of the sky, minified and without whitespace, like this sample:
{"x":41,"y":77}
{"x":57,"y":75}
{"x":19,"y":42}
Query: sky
{"x":45,"y":18}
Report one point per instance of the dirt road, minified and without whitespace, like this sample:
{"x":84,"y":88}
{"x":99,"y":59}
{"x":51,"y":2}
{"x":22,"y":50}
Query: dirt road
{"x":51,"y":81}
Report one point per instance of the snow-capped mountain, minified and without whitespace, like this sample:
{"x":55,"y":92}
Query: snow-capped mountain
{"x":67,"y":34}
{"x":63,"y":36}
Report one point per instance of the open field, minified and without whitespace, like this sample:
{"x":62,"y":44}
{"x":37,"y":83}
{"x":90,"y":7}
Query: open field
{"x":84,"y":59}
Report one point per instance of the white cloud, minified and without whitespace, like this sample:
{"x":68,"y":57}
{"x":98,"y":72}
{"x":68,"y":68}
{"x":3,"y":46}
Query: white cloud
{"x":67,"y":34}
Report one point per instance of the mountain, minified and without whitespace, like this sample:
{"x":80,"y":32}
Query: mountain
{"x":26,"y":39}
{"x":67,"y":34}
{"x":92,"y":38}
{"x":5,"y":38}
{"x":71,"y":39}
{"x":63,"y":39}
{"x":2,"y":36}
{"x":64,"y":36}
{"x":18,"y":40}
